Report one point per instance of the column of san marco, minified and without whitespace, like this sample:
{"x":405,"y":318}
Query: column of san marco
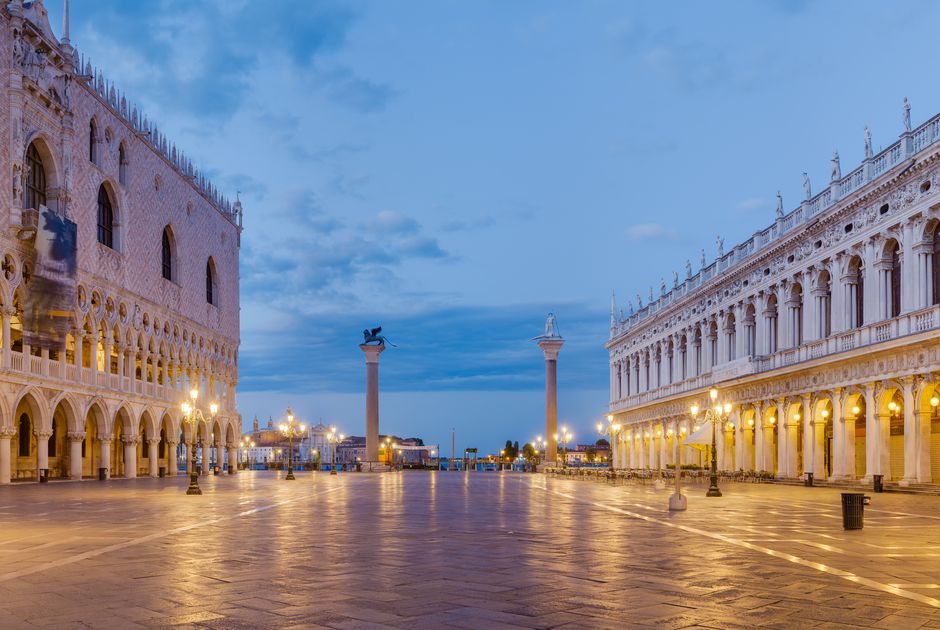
{"x":550,"y":342}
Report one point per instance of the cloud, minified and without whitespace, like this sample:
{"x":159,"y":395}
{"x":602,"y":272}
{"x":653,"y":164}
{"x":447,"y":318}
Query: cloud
{"x":438,"y":349}
{"x":396,"y":223}
{"x":651,"y":231}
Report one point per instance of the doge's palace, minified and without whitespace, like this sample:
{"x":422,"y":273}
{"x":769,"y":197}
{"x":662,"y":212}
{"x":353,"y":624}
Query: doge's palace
{"x":153,"y":279}
{"x":821,"y":330}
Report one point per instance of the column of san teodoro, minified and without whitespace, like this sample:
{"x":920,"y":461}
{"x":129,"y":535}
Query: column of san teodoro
{"x":154,"y":309}
{"x":821,"y":330}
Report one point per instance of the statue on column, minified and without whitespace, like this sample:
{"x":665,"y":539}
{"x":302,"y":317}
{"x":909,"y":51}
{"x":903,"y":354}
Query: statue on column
{"x":551,"y":332}
{"x":906,"y":115}
{"x":373,"y":336}
{"x":868,"y":151}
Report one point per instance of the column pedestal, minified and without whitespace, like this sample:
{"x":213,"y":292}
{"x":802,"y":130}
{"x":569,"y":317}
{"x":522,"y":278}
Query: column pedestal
{"x":372,"y":400}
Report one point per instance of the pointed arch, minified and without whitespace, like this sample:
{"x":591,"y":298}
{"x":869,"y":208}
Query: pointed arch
{"x":212,"y":288}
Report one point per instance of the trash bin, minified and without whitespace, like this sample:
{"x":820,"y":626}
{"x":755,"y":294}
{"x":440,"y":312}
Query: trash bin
{"x":102,"y":474}
{"x":358,"y":466}
{"x":876,"y":480}
{"x":215,"y":471}
{"x":808,"y":481}
{"x":853,"y":510}
{"x":162,"y":472}
{"x":43,"y":475}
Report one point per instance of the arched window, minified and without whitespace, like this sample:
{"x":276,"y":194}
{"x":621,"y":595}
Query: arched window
{"x":92,"y":141}
{"x":35,"y":179}
{"x":770,"y":313}
{"x":935,"y":264}
{"x":211,"y":296}
{"x":855,"y":292}
{"x":823,"y":295}
{"x":795,"y":307}
{"x":731,"y":337}
{"x":713,"y":343}
{"x":105,"y":218}
{"x":895,"y":280}
{"x":750,"y":331}
{"x":683,"y":357}
{"x":122,"y":165}
{"x":24,"y":430}
{"x":167,"y":257}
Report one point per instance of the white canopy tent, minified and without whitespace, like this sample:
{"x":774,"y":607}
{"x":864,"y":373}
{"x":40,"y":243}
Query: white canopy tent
{"x":701,"y":438}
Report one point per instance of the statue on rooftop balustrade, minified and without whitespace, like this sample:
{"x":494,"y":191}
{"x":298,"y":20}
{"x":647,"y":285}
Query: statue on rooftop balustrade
{"x":720,"y":243}
{"x":779,"y":205}
{"x":688,"y":268}
{"x":906,"y":115}
{"x":868,"y":152}
{"x":807,"y":188}
{"x":836,"y":167}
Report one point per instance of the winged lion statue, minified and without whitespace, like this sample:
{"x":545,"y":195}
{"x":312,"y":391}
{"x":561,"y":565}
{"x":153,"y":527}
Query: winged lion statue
{"x":374,"y":337}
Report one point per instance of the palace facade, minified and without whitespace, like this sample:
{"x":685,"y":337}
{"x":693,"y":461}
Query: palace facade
{"x":153,"y":308}
{"x":822,"y":331}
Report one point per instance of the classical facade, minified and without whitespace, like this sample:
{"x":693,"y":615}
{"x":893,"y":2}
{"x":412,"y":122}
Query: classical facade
{"x":155,"y":278}
{"x":822,"y":331}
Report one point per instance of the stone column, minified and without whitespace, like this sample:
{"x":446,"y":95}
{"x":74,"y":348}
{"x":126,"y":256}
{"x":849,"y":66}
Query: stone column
{"x":42,"y":451}
{"x":872,"y":432}
{"x":758,"y":429}
{"x":807,"y":423}
{"x":172,"y":467}
{"x":5,"y":454}
{"x":550,"y":349}
{"x":909,"y":391}
{"x":848,"y":445}
{"x":767,"y":431}
{"x":153,"y":462}
{"x":130,"y":455}
{"x":372,"y":401}
{"x":232,"y":458}
{"x":838,"y":434}
{"x":5,"y":362}
{"x":105,"y":445}
{"x":643,"y":461}
{"x":663,"y":446}
{"x":75,"y":453}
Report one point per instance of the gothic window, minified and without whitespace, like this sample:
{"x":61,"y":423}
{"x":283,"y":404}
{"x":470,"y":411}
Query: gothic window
{"x":167,"y":256}
{"x":161,"y":452}
{"x":35,"y":179}
{"x":105,"y":218}
{"x":24,"y":430}
{"x":122,"y":165}
{"x":211,"y":296}
{"x":92,"y":141}
{"x":895,"y":280}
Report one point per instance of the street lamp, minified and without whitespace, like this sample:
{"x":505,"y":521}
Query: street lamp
{"x":564,"y":436}
{"x":291,"y":430}
{"x":612,"y":429}
{"x":388,"y":454}
{"x":713,"y":414}
{"x":334,"y":439}
{"x":540,"y":444}
{"x":192,"y":415}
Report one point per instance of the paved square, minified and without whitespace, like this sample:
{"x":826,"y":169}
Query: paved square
{"x":477,"y":550}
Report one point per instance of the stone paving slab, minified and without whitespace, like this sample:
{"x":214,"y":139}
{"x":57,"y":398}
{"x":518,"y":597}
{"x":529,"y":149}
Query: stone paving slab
{"x":460,"y":550}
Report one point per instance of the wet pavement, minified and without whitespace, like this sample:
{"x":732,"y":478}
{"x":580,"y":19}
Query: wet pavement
{"x":468,"y":550}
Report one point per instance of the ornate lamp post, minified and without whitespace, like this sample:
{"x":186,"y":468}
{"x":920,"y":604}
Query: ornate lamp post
{"x":611,"y":430}
{"x":192,"y":415}
{"x":540,"y":448}
{"x":291,"y":430}
{"x":565,"y":435}
{"x":334,"y":439}
{"x":714,"y":415}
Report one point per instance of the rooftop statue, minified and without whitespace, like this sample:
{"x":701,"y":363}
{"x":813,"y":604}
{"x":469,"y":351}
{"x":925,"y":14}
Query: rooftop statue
{"x":807,"y":188}
{"x":868,"y":152}
{"x":779,"y":205}
{"x":373,"y":337}
{"x":906,"y":115}
{"x":836,"y":167}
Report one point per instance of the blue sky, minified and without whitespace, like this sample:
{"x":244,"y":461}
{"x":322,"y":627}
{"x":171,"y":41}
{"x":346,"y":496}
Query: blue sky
{"x":454,"y":171}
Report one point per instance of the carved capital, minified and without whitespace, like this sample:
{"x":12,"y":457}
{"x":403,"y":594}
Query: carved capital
{"x":43,"y":435}
{"x":130,"y":439}
{"x":153,"y":440}
{"x":76,"y":436}
{"x":7,"y":432}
